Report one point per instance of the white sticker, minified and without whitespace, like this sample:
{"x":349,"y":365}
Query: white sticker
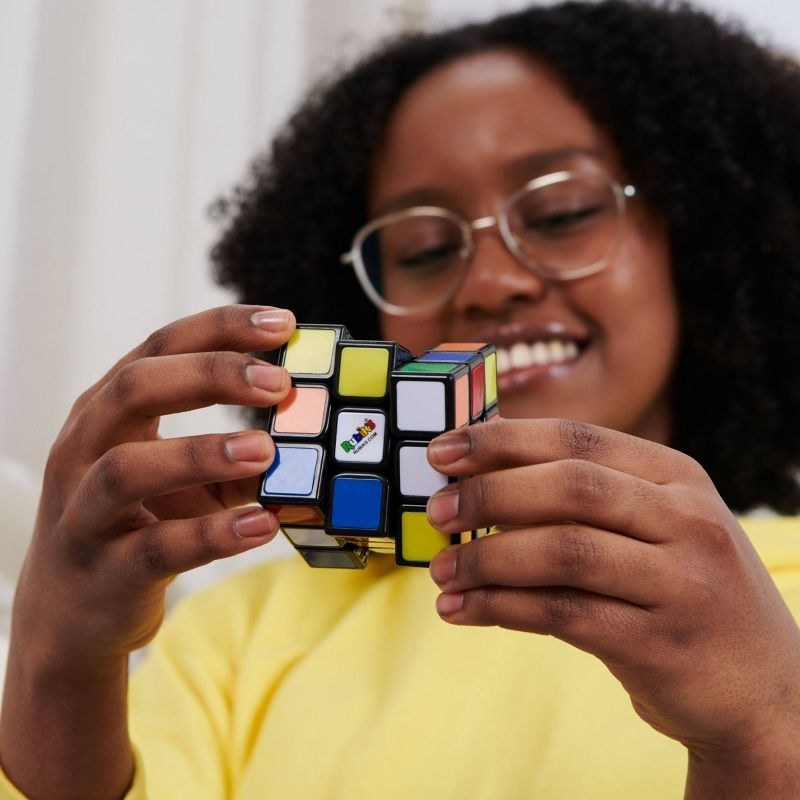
{"x":420,"y":406}
{"x":417,"y":477}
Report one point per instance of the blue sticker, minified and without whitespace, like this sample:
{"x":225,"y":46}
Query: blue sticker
{"x":293,"y":472}
{"x":454,"y":357}
{"x":357,"y":502}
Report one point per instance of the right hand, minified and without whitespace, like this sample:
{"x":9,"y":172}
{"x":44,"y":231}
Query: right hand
{"x":124,"y":511}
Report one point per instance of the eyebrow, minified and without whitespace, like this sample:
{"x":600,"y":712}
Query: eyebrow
{"x":535,"y":162}
{"x":525,"y":167}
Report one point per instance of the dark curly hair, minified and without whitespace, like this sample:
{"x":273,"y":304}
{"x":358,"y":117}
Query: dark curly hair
{"x":707,"y":125}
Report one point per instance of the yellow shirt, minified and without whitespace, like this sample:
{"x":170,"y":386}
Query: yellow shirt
{"x":291,"y":683}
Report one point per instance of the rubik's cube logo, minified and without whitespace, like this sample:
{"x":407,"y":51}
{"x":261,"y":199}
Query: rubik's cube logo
{"x":350,"y":473}
{"x":359,"y":440}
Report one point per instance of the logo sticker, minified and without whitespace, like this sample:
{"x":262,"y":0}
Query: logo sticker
{"x":360,"y":437}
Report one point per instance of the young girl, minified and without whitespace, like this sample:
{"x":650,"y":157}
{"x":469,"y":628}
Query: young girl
{"x":608,"y":193}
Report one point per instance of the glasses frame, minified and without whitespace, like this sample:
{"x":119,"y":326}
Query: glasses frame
{"x":622,"y":193}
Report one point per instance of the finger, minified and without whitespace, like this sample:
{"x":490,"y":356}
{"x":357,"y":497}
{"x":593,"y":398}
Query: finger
{"x":134,"y":471}
{"x":574,"y":491}
{"x":168,"y":548}
{"x":604,"y":626}
{"x":243,"y":328}
{"x":513,"y":443}
{"x":194,"y":500}
{"x":126,"y":406}
{"x":559,"y":555}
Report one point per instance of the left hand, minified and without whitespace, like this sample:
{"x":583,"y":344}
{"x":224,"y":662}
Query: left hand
{"x":623,"y":548}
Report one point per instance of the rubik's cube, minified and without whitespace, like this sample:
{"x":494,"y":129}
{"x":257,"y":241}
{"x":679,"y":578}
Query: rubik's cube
{"x":350,"y":473}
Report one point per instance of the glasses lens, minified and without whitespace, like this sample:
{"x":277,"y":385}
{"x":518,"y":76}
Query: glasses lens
{"x":414,"y":260}
{"x":567,"y":225}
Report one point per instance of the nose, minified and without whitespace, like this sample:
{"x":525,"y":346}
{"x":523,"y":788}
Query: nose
{"x":495,"y":281}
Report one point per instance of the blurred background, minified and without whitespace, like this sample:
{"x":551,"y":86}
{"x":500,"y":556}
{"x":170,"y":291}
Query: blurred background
{"x":121,"y":121}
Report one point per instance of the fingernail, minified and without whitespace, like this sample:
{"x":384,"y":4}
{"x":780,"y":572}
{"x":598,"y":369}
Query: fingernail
{"x":443,"y":506}
{"x":443,"y":567}
{"x":448,"y":449}
{"x":254,"y":522}
{"x":247,"y":447}
{"x":447,"y":604}
{"x":266,"y":376}
{"x":274,"y":320}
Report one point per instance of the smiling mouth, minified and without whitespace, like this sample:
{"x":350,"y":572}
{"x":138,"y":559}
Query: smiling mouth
{"x":542,"y":353}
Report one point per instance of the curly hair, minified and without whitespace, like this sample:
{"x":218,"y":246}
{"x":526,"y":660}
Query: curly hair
{"x":706,"y":123}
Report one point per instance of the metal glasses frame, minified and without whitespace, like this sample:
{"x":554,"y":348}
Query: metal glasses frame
{"x":622,"y":193}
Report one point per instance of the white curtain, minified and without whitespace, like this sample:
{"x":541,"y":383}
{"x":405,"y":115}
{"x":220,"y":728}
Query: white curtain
{"x":121,"y":121}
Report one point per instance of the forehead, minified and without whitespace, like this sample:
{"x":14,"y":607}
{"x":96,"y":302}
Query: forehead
{"x":494,"y":117}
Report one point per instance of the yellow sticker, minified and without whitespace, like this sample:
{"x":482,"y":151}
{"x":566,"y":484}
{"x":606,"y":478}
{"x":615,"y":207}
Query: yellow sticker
{"x":364,"y":372}
{"x":490,"y":376}
{"x":310,"y":351}
{"x":420,"y":541}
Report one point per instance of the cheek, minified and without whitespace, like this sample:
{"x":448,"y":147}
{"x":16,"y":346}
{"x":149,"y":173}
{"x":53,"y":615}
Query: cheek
{"x":642,"y":316}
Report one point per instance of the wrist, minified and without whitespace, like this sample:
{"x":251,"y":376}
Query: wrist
{"x":76,"y":713}
{"x":766,"y":770}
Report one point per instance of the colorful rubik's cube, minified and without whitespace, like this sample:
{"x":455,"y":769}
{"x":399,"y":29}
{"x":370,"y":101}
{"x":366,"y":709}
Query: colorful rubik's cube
{"x":350,"y":473}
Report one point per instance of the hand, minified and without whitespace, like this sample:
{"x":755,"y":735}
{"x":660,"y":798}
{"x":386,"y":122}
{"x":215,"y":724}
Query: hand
{"x":623,"y":548}
{"x":123,"y":511}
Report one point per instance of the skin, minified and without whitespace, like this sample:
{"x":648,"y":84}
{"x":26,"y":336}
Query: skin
{"x":652,"y":574}
{"x":466,"y":136}
{"x":122,"y":513}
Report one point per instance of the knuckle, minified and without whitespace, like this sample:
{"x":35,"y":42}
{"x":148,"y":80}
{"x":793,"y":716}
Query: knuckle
{"x":213,"y":366}
{"x":158,"y":342}
{"x":491,"y":437}
{"x":80,"y":554}
{"x":469,"y":561}
{"x":226,"y":318}
{"x":195,"y":454}
{"x":716,"y":539}
{"x":561,"y":606}
{"x":574,"y":553}
{"x":207,"y":540}
{"x":482,"y":606}
{"x":110,"y":472}
{"x":669,"y":635}
{"x":583,"y":483}
{"x":150,"y":554}
{"x":126,"y":383}
{"x":580,"y":440}
{"x":695,"y":471}
{"x":478,"y":495}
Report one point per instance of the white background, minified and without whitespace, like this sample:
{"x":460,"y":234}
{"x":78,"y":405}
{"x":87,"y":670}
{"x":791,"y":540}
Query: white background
{"x":120,"y":121}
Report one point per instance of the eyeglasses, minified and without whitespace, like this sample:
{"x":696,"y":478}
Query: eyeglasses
{"x":561,"y":226}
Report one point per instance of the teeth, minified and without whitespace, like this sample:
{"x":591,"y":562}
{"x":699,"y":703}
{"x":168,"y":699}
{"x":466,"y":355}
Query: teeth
{"x":557,"y":351}
{"x":540,"y":353}
{"x":503,"y":361}
{"x":521,"y":356}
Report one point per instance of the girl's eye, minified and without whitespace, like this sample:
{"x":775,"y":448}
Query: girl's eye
{"x":429,"y":258}
{"x":561,"y":222}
